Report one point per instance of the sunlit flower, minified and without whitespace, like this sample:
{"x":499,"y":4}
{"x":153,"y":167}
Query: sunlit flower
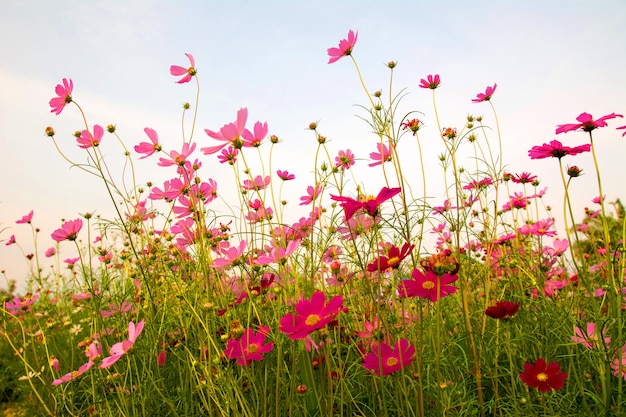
{"x":486,"y":96}
{"x":556,"y":149}
{"x":68,"y":231}
{"x":229,"y":133}
{"x":254,"y":139}
{"x":187,"y":73}
{"x":413,"y":125}
{"x":344,"y":49}
{"x":228,"y":155}
{"x":310,"y":315}
{"x":258,"y":183}
{"x":21,"y":305}
{"x":121,"y":348}
{"x":386,"y":360}
{"x":115,"y":309}
{"x":250,"y":347}
{"x":431,"y":81}
{"x":427,"y":285}
{"x":93,"y":352}
{"x":542,"y":377}
{"x":149,"y":148}
{"x":178,"y":158}
{"x":88,"y":140}
{"x":587,"y":124}
{"x":64,"y":93}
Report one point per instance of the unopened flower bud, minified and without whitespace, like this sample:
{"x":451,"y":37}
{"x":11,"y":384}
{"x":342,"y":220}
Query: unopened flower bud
{"x":574,"y":171}
{"x":111,"y":128}
{"x":321,"y":139}
{"x":302,"y":389}
{"x":49,"y":131}
{"x":312,"y":125}
{"x":391,"y":64}
{"x":274,"y":139}
{"x":186,"y":106}
{"x":377,"y":93}
{"x":77,"y":133}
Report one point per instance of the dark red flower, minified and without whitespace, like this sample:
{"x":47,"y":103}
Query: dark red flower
{"x":502,"y":310}
{"x":544,"y":378}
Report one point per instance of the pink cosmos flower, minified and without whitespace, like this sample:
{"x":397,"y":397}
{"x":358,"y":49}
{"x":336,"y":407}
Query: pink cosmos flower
{"x":50,"y":252}
{"x":115,"y":309}
{"x":228,"y":155}
{"x":312,"y":194}
{"x":369,"y":204}
{"x":10,"y":241}
{"x":64,"y":93}
{"x":544,"y":378}
{"x":149,"y":148}
{"x":587,"y":124}
{"x":86,"y":140}
{"x":121,"y":348}
{"x":385,"y":360}
{"x":555,"y":149}
{"x":254,"y":139}
{"x":310,"y":315}
{"x":392,"y":259}
{"x":619,"y":363}
{"x":230,"y":255}
{"x":250,"y":347}
{"x":93,"y":352}
{"x":431,"y":82}
{"x":259,"y":183}
{"x":26,"y":218}
{"x":21,"y":305}
{"x":285,"y":175}
{"x":176,"y":158}
{"x":229,"y":133}
{"x":345,"y":159}
{"x":486,"y":96}
{"x":383,"y":155}
{"x":590,"y":337}
{"x":278,"y":254}
{"x":187,"y":73}
{"x":344,"y":49}
{"x":428,"y":285}
{"x":68,"y":231}
{"x":523,"y":178}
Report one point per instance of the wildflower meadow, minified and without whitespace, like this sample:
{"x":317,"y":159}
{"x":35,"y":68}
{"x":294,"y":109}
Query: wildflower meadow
{"x":409,"y":292}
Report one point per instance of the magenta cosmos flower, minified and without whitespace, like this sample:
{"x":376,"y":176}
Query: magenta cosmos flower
{"x":310,"y":315}
{"x":386,"y":360}
{"x":428,"y":285}
{"x":149,"y":148}
{"x":587,"y":124}
{"x":64,"y":93}
{"x":369,"y":204}
{"x":229,"y":134}
{"x":121,"y":348}
{"x":68,"y":231}
{"x":542,"y":377}
{"x":556,"y":149}
{"x":590,"y":337}
{"x":344,"y":49}
{"x":250,"y":347}
{"x":392,"y":259}
{"x":26,"y":218}
{"x":93,"y":352}
{"x":431,"y":81}
{"x":87,"y":140}
{"x":187,"y":73}
{"x":486,"y":96}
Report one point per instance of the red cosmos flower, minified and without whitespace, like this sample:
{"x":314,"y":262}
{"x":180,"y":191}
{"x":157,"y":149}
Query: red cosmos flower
{"x":250,"y":347}
{"x":486,"y":96}
{"x":428,"y":285}
{"x":544,"y":378}
{"x":148,"y":148}
{"x":187,"y":73}
{"x":431,"y":82}
{"x":26,"y":218}
{"x":386,"y":360}
{"x":68,"y":231}
{"x":64,"y":93}
{"x":86,"y":140}
{"x":413,"y":124}
{"x":344,"y":49}
{"x":555,"y":149}
{"x":369,"y":205}
{"x":310,"y":315}
{"x":502,"y":310}
{"x":587,"y":123}
{"x":393,"y":258}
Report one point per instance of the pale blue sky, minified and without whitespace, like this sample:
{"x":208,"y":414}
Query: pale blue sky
{"x":552,"y":60}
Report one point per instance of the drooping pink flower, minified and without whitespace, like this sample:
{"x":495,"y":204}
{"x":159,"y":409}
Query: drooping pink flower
{"x":149,"y":148}
{"x":258,"y":183}
{"x":486,"y":96}
{"x":556,"y":149}
{"x":121,"y":348}
{"x":187,"y":73}
{"x":116,"y":309}
{"x":392,"y":258}
{"x":26,"y":218}
{"x":310,"y":315}
{"x":64,"y":93}
{"x":229,"y":133}
{"x":228,"y":155}
{"x":590,"y":337}
{"x":427,"y":285}
{"x":312,"y":194}
{"x":93,"y":352}
{"x":368,"y":204}
{"x":88,"y":140}
{"x":385,"y":360}
{"x":10,"y":241}
{"x":587,"y":124}
{"x":413,"y":125}
{"x":431,"y":81}
{"x":383,"y":155}
{"x":250,"y":347}
{"x":543,"y":377}
{"x":285,"y":175}
{"x":523,"y":178}
{"x":50,"y":252}
{"x":344,"y":49}
{"x":176,"y":158}
{"x":68,"y":231}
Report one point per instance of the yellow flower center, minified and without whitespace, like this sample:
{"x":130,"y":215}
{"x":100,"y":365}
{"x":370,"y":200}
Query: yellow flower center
{"x":253,"y":348}
{"x":392,"y":361}
{"x":393,"y":261}
{"x":428,"y":285}
{"x":542,"y":377}
{"x":312,"y":320}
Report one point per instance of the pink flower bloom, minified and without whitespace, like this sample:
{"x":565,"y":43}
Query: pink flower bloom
{"x":68,"y":231}
{"x":230,"y":255}
{"x":555,"y":149}
{"x":587,"y":123}
{"x":187,"y":73}
{"x":10,"y":241}
{"x":228,"y":155}
{"x":86,"y":140}
{"x":344,"y":49}
{"x":285,"y":175}
{"x":254,"y":139}
{"x":590,"y":338}
{"x":229,"y":133}
{"x":478,"y":185}
{"x":93,"y":352}
{"x":392,"y":259}
{"x":310,"y":315}
{"x":278,"y":254}
{"x":619,"y":363}
{"x":250,"y":347}
{"x":312,"y":194}
{"x":176,"y":158}
{"x":428,"y":285}
{"x":115,"y":309}
{"x":502,"y":310}
{"x":120,"y":349}
{"x":386,"y":360}
{"x":369,"y":204}
{"x":486,"y":96}
{"x":598,"y":200}
{"x":26,"y":218}
{"x":383,"y":155}
{"x":64,"y":93}
{"x":50,"y":252}
{"x":523,"y":178}
{"x":431,"y":82}
{"x":149,"y":148}
{"x":345,"y":159}
{"x":19,"y":305}
{"x":259,"y":183}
